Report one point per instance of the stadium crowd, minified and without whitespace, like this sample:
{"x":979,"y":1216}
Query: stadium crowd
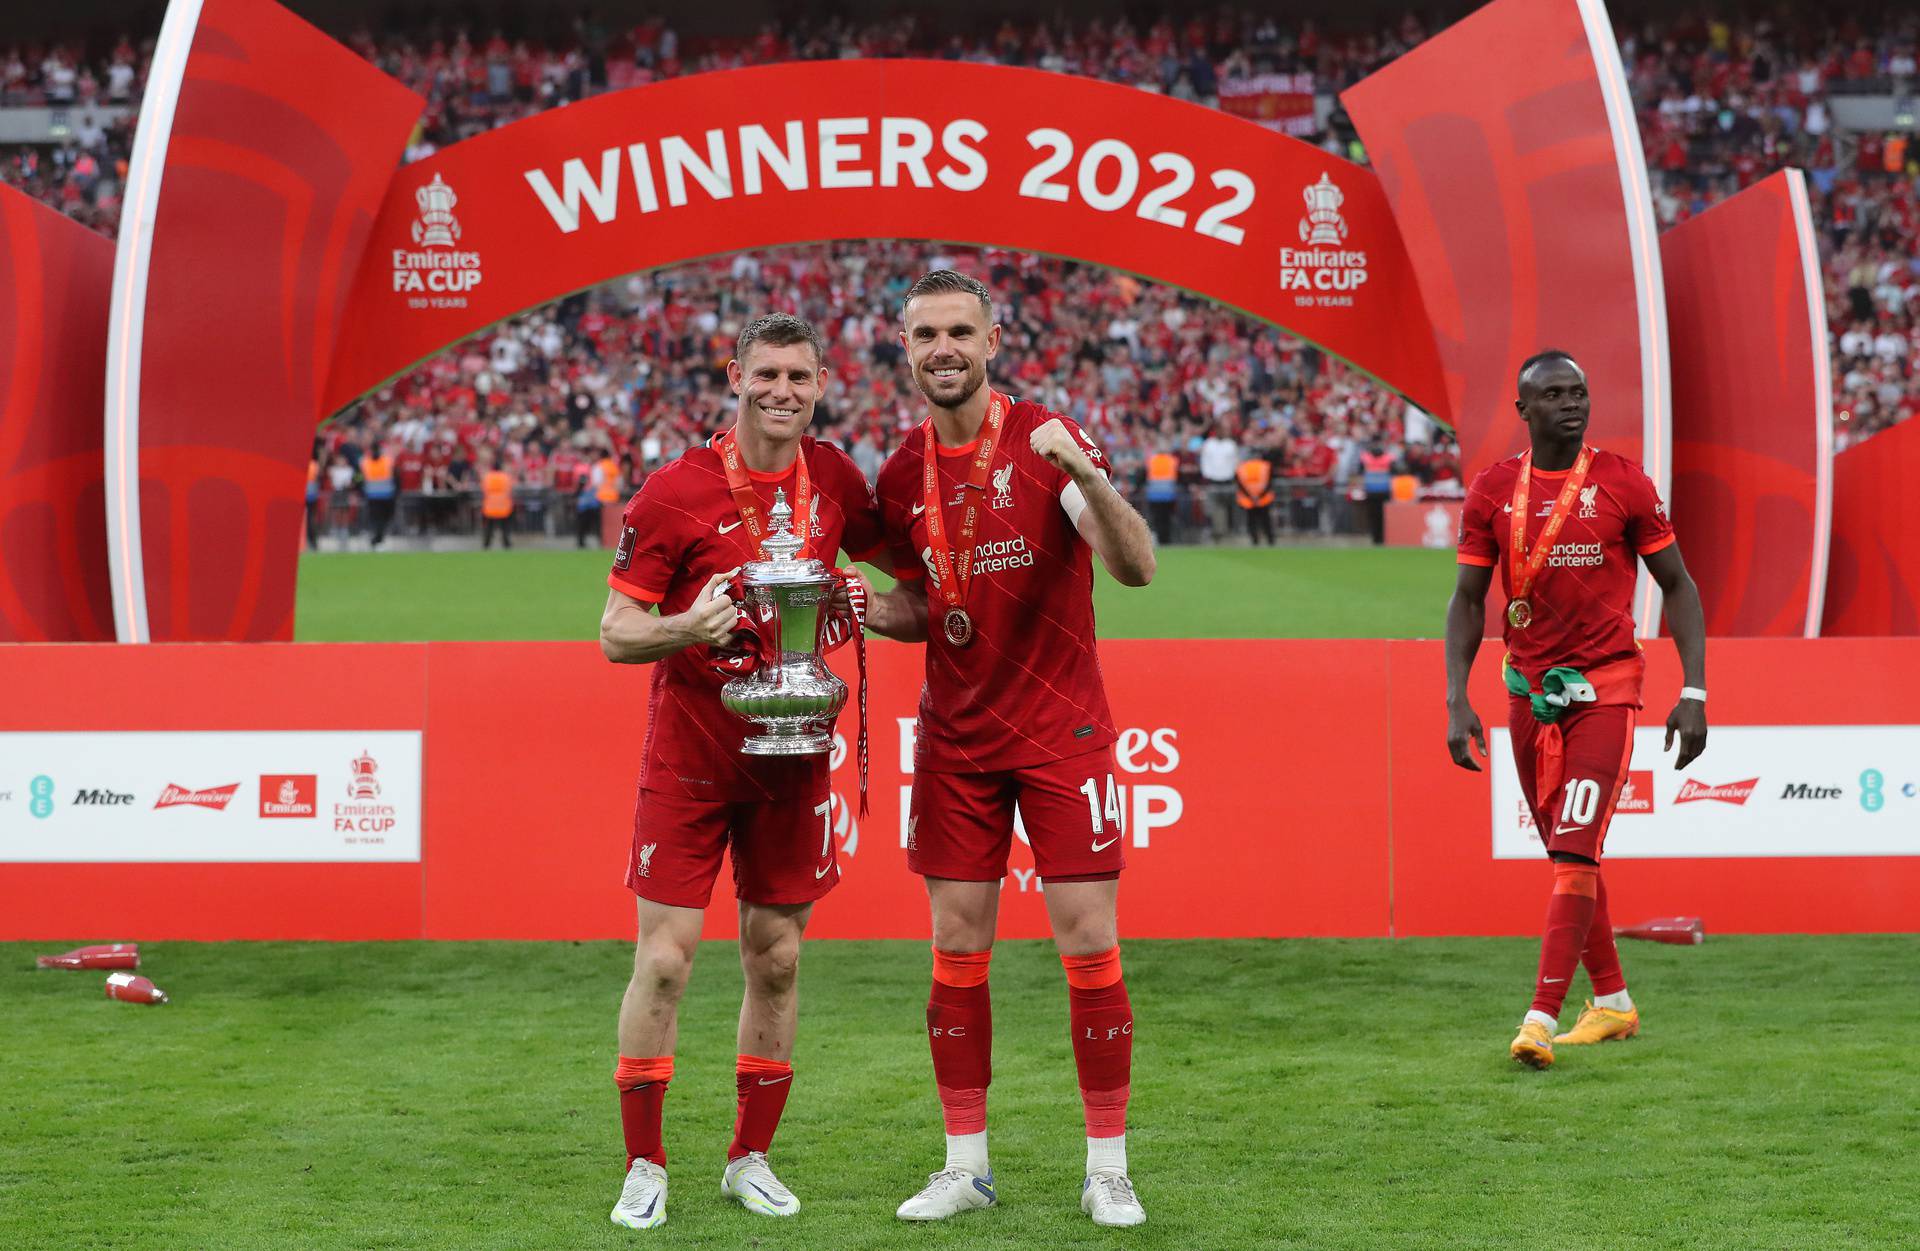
{"x":631,"y":372}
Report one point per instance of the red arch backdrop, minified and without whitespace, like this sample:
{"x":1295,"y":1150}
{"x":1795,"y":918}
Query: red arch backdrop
{"x":939,"y":150}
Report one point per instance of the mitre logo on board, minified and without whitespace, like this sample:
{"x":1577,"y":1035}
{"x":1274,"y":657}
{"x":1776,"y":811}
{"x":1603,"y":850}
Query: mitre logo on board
{"x":1324,"y":273}
{"x":438,"y":275}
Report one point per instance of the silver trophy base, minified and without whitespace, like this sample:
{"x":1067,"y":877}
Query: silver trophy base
{"x":806,"y":744}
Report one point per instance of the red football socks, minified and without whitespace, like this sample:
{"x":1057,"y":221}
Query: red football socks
{"x":1601,"y":957}
{"x":1102,"y":1024}
{"x":643,"y":1091}
{"x":960,"y":1031}
{"x":1570,"y":913}
{"x":762,"y":1085}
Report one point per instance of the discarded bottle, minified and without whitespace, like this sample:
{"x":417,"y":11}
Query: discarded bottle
{"x":1681,"y":931}
{"x":100,"y":956}
{"x":132,"y":988}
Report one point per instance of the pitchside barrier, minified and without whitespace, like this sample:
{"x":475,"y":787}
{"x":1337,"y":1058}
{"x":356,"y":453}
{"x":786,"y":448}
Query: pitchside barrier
{"x":485,"y":790}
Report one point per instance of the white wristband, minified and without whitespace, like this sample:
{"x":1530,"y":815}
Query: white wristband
{"x":1698,"y":693}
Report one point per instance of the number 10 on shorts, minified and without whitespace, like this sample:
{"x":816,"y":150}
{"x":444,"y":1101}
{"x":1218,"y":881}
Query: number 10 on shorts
{"x":1581,"y":805}
{"x":1100,"y":813}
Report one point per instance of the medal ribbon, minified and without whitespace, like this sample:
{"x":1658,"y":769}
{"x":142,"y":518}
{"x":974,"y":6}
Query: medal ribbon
{"x":748,"y":502}
{"x":1524,"y":566}
{"x":954,"y":566}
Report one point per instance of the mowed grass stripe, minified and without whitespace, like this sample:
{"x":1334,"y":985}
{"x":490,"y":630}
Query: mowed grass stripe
{"x":1198,"y":593}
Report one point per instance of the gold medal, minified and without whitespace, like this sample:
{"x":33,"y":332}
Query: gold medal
{"x":953,"y":563}
{"x":1524,"y":564}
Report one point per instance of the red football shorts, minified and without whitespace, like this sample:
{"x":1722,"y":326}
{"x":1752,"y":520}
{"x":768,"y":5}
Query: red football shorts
{"x":1599,"y":743}
{"x":961,"y":824}
{"x":783,"y":849}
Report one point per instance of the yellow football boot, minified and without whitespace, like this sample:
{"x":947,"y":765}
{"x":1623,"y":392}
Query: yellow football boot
{"x":1532,"y":1046}
{"x":1598,"y":1025}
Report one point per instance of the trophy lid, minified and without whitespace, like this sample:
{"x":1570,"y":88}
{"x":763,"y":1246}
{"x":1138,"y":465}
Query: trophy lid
{"x":780,"y":550}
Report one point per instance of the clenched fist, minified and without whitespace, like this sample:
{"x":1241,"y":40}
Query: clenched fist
{"x":1052,"y":441}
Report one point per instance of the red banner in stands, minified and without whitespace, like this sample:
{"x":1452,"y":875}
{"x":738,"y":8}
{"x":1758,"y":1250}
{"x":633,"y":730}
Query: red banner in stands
{"x":1873,"y":582}
{"x":1508,"y":148}
{"x":1342,"y":819}
{"x":942,"y":150}
{"x":282,"y":143}
{"x":1753,"y":409}
{"x":54,"y":276}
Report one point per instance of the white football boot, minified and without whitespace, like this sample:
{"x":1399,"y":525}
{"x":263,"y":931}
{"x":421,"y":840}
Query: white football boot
{"x":643,"y":1200}
{"x":749,"y":1180}
{"x":948,"y":1193}
{"x":1107,"y":1196}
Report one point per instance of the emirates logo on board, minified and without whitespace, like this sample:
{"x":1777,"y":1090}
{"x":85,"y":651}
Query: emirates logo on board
{"x":1636,"y":794}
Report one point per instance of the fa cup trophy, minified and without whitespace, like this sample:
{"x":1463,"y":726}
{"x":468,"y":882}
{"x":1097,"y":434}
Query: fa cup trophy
{"x":792,"y":698}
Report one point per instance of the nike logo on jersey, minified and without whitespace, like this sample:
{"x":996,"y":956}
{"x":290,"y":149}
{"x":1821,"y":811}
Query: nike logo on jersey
{"x":918,"y":509}
{"x":1103,"y":846}
{"x":821,"y":872}
{"x":724,"y":528}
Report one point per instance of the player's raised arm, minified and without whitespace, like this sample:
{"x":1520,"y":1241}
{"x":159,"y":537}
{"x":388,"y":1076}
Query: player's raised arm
{"x":1466,"y":624}
{"x":1116,"y":533}
{"x":632,"y":634}
{"x":1688,"y":621}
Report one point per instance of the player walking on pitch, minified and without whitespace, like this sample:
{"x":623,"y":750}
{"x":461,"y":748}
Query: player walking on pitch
{"x":1004,"y":504}
{"x":1565,"y":522}
{"x":686,"y":533}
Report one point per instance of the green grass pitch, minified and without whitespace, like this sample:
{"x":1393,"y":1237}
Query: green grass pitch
{"x":1199,"y":592}
{"x":1304,"y":1094}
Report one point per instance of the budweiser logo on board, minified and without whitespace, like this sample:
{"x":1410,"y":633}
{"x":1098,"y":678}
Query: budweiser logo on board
{"x":1727,"y":793}
{"x":214,"y":797}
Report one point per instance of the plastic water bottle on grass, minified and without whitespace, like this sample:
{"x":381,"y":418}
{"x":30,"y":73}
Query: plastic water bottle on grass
{"x":132,"y":988}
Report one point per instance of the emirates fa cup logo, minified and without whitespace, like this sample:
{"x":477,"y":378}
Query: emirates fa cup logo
{"x":1323,"y":223}
{"x":437,"y":227}
{"x":363,"y":785}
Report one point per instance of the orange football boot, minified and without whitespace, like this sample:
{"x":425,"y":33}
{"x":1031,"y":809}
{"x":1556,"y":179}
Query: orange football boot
{"x":1532,"y":1046}
{"x":1598,"y":1025}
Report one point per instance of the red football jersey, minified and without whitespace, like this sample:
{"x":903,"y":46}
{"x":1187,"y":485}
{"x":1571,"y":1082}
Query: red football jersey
{"x":681,"y":529}
{"x":1583,"y":599}
{"x":1027,"y":689}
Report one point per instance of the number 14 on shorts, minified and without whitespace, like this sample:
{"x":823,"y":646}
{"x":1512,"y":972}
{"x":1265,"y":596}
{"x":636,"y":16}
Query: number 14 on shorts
{"x":1103,"y":813}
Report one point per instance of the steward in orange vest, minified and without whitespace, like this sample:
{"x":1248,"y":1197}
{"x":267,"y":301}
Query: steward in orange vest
{"x":1255,"y":479}
{"x":496,"y":507}
{"x":1253,"y":491}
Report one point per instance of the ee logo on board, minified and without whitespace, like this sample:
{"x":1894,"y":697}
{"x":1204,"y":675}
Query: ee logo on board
{"x":1873,"y":790}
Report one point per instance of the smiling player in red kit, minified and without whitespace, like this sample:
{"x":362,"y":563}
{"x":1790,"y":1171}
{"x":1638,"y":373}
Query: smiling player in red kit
{"x":994,"y":509}
{"x":686,"y":533}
